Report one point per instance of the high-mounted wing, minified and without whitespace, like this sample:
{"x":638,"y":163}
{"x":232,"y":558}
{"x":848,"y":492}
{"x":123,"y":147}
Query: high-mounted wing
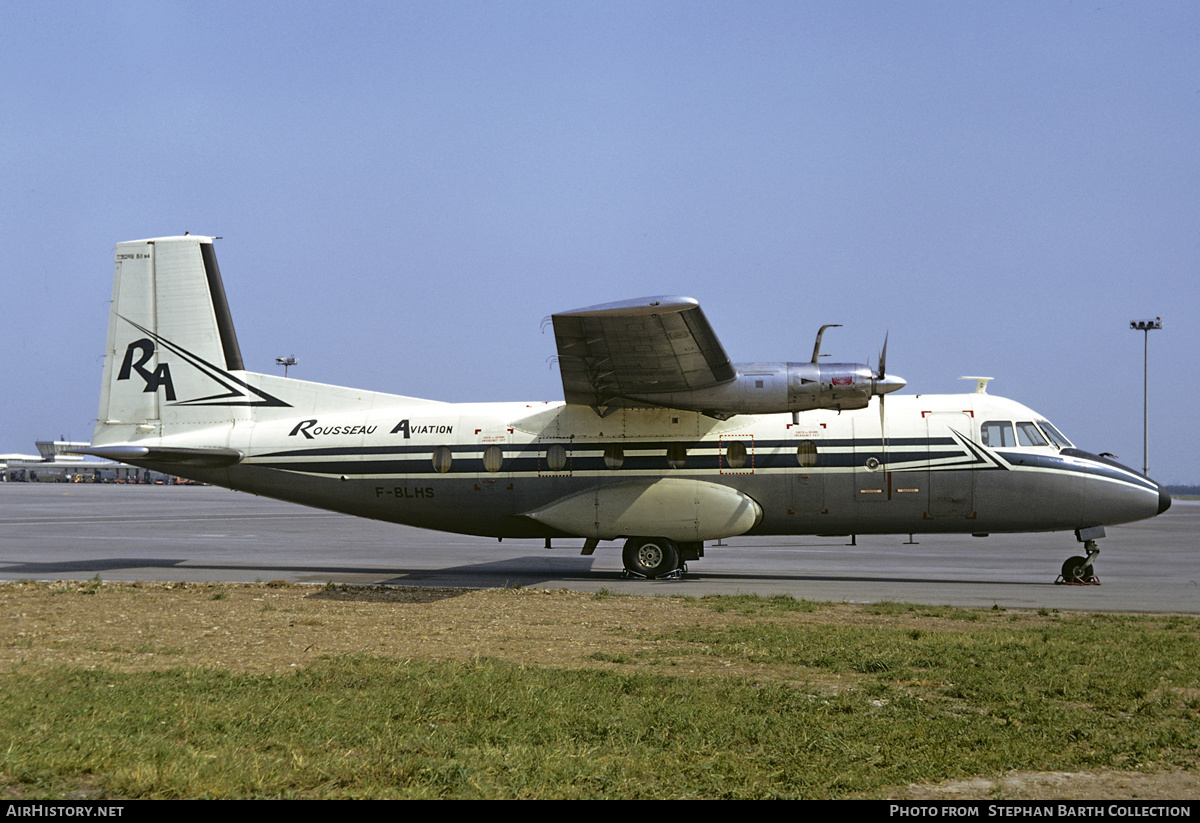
{"x":660,"y":352}
{"x":611,"y":354}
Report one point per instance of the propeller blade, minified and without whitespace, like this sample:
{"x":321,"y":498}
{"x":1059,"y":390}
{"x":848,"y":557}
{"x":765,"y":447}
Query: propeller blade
{"x":883,"y":382}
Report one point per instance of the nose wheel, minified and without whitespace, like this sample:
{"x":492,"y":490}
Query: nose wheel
{"x":1078,"y":571}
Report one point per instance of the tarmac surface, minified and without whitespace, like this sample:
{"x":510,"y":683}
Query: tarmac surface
{"x":199,"y":534}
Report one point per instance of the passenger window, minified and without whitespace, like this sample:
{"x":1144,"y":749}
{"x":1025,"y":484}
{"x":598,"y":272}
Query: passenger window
{"x":556,"y":457}
{"x":441,"y":459}
{"x":1028,"y":435}
{"x":735,"y":454}
{"x":614,"y":456}
{"x":493,"y":458}
{"x":997,"y":434}
{"x":806,"y":453}
{"x":676,"y":455}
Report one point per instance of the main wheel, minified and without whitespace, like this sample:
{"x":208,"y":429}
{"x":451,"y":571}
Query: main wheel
{"x":650,"y":556}
{"x":1076,"y":569}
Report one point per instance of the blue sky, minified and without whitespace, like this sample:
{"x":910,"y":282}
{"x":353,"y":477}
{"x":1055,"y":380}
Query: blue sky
{"x":404,"y":190}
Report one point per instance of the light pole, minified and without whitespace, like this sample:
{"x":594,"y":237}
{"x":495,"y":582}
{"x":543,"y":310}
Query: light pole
{"x":290,"y":360}
{"x":1145,"y":327}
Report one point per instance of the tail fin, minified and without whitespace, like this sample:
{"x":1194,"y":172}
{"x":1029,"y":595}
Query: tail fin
{"x":172,"y":366}
{"x":172,"y":356}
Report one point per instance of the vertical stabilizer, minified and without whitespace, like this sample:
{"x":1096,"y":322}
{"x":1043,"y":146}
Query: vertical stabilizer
{"x":172,"y":358}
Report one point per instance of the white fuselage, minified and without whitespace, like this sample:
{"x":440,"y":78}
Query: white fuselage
{"x":484,"y":468}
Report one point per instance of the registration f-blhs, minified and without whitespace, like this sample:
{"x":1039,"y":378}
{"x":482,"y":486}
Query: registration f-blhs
{"x":661,"y":442}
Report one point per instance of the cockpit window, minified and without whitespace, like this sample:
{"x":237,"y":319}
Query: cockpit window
{"x":1055,"y":435}
{"x":1028,"y":435}
{"x":997,"y":433}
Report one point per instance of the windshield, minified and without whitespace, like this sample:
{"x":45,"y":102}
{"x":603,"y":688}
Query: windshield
{"x":1028,"y":435}
{"x":1055,"y":435}
{"x":1006,"y":434}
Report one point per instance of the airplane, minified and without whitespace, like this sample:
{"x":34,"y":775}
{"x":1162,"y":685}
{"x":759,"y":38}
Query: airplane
{"x":661,"y":441}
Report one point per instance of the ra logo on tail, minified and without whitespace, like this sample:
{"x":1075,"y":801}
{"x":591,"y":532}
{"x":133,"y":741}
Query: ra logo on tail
{"x":236,"y":392}
{"x":161,"y":376}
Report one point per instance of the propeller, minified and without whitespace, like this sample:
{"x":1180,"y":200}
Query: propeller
{"x":882,"y":384}
{"x":879,"y":376}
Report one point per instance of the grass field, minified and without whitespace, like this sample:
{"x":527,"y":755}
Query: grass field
{"x":818,"y":702}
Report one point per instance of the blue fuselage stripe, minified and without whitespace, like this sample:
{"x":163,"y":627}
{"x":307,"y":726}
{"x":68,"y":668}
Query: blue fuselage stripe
{"x":901,"y":454}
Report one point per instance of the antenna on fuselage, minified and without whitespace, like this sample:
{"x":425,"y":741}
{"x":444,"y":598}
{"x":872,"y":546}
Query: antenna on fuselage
{"x":980,"y":383}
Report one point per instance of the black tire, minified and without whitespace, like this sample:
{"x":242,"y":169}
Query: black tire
{"x":650,"y":556}
{"x":1075,"y":570}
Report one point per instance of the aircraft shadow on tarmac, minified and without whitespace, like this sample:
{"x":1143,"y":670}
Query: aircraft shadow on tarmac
{"x":527,"y":570}
{"x":531,"y":569}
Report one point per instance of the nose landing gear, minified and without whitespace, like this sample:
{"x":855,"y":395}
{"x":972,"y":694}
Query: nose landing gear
{"x":1078,"y":571}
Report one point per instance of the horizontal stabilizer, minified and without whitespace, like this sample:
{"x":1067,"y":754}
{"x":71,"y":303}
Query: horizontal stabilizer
{"x":214,"y":457}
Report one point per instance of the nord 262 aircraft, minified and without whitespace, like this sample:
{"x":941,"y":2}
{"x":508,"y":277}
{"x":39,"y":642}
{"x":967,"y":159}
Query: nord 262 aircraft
{"x":661,"y":442}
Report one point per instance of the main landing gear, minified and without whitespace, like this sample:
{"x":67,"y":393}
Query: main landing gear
{"x":658,"y":558}
{"x":1078,"y":571}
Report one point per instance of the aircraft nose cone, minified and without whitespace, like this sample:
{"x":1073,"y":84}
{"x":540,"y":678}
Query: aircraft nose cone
{"x":1164,"y":499}
{"x":889,"y":383}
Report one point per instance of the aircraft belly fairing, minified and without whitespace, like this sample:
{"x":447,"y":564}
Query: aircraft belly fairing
{"x":662,"y":439}
{"x":678,"y":508}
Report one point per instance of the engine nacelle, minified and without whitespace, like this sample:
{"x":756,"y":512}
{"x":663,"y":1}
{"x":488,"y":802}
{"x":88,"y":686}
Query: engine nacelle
{"x":773,"y":388}
{"x":841,"y":386}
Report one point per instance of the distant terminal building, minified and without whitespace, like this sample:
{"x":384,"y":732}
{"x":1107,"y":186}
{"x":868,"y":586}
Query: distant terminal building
{"x":56,"y":462}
